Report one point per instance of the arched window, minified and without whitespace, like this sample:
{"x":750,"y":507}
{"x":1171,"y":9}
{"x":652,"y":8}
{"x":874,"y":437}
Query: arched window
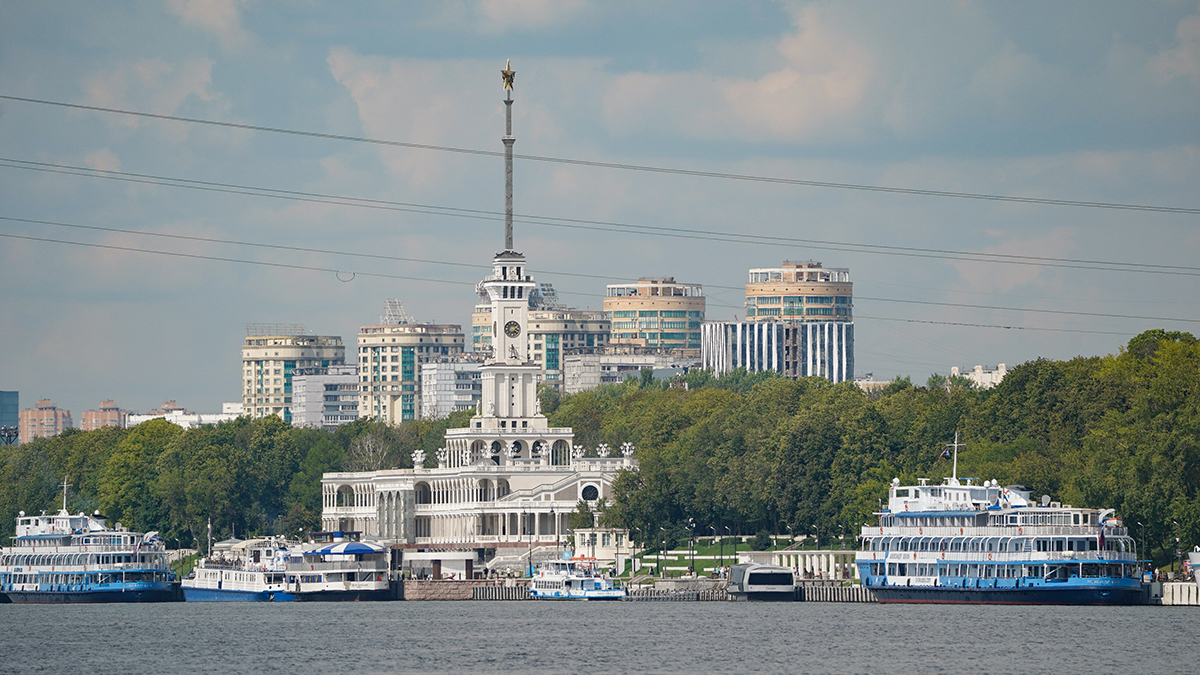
{"x":560,"y":455}
{"x":424,"y":495}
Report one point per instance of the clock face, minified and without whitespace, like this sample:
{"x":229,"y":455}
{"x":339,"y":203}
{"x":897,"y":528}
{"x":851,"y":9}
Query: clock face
{"x":512,"y":329}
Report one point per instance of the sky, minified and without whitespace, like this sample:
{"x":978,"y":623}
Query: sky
{"x":1085,"y":101}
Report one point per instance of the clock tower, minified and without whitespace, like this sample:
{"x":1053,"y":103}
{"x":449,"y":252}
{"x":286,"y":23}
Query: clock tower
{"x":510,"y":427}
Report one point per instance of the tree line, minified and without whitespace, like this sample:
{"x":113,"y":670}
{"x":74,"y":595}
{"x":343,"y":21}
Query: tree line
{"x":248,"y":476}
{"x":746,"y":453}
{"x":752,"y":453}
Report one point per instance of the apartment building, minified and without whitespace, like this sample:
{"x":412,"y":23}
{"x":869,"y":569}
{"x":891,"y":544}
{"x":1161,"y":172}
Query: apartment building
{"x":389,"y":361}
{"x":271,"y":355}
{"x":325,"y":397}
{"x":43,"y":421}
{"x":450,"y":385}
{"x":656,"y":312}
{"x":799,"y":292}
{"x":107,"y":415}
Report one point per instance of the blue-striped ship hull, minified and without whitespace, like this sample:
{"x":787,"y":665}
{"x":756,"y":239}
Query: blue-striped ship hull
{"x":221,"y":595}
{"x":133,"y":592}
{"x":1048,"y":594}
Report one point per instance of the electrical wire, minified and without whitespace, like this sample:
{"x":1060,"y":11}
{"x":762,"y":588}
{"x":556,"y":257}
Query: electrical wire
{"x":357,"y":273}
{"x":576,"y":274}
{"x":629,"y":167}
{"x":604,"y":226}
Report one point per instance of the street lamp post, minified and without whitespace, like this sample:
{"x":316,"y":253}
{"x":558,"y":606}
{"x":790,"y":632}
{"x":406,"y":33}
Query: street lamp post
{"x":1143,"y":526}
{"x":662,"y":572}
{"x":529,"y":542}
{"x":692,"y":533}
{"x":1178,"y":552}
{"x":733,"y":554}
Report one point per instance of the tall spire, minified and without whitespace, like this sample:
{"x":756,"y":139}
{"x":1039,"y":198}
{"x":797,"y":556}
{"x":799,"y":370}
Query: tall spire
{"x":508,"y":73}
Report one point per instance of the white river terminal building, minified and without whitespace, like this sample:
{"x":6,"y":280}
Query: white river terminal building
{"x":502,"y":486}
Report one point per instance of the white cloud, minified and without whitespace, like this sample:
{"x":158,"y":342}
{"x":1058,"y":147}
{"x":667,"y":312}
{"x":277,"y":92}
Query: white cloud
{"x":154,"y":85}
{"x":1004,"y":278}
{"x":504,"y":15}
{"x":1184,"y":60}
{"x":220,"y":18}
{"x":104,"y":160}
{"x":823,"y":79}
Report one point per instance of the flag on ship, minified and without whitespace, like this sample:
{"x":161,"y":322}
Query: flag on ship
{"x":946,"y":453}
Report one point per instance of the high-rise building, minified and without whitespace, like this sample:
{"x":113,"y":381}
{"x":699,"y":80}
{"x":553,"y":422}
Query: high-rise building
{"x":390,"y":355}
{"x":43,"y":421}
{"x":450,"y":385}
{"x":799,"y":291}
{"x":807,"y":349}
{"x":326,"y":397}
{"x":108,"y":415}
{"x":10,"y":408}
{"x":270,"y":357}
{"x":656,"y":313}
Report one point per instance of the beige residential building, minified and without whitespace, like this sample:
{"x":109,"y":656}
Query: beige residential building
{"x":390,"y":356}
{"x":270,"y":357}
{"x":555,"y":331}
{"x":656,"y":313}
{"x":109,"y":415}
{"x":799,"y":292}
{"x":43,"y":421}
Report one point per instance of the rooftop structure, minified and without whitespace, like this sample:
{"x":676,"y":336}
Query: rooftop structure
{"x":799,"y":292}
{"x":656,"y":312}
{"x":271,"y":355}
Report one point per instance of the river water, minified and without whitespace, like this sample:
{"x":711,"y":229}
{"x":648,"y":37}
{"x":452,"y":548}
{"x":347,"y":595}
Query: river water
{"x":550,"y":637}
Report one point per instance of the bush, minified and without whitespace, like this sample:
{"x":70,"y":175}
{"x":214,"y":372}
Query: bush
{"x":761,"y":541}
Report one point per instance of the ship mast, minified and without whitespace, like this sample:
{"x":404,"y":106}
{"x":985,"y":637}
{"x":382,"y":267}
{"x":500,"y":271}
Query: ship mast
{"x":65,"y":485}
{"x":956,"y":445}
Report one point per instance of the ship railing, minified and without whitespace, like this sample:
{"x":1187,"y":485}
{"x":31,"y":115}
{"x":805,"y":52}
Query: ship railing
{"x":80,"y":548}
{"x":1000,"y":556}
{"x":917,"y":530}
{"x":334,"y":566}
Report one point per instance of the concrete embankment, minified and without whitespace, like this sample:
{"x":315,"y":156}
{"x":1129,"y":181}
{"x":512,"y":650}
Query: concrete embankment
{"x":1175,"y":593}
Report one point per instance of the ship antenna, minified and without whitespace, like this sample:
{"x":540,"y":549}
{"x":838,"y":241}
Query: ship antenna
{"x":65,"y":485}
{"x":956,"y":445}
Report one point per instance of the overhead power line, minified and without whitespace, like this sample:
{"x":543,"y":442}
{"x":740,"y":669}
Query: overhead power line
{"x":339,"y":273}
{"x":457,"y":264}
{"x":631,"y":167}
{"x":604,"y":226}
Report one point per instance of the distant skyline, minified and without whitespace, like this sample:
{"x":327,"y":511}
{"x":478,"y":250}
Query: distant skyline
{"x":1090,"y":101}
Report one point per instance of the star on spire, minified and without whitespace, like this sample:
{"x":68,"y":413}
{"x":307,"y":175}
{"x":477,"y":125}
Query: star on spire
{"x":508,"y":73}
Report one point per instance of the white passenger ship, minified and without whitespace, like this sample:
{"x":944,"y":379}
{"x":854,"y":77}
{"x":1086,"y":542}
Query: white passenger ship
{"x":337,"y":566}
{"x":252,"y":571}
{"x":77,"y":558}
{"x":964,"y":543}
{"x":575,"y":578}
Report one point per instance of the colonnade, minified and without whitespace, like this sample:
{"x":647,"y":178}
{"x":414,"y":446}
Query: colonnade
{"x":819,"y":564}
{"x":503,"y":526}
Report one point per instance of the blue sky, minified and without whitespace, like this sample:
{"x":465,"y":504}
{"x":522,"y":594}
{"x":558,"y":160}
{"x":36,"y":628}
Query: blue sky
{"x":1077,"y":100}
